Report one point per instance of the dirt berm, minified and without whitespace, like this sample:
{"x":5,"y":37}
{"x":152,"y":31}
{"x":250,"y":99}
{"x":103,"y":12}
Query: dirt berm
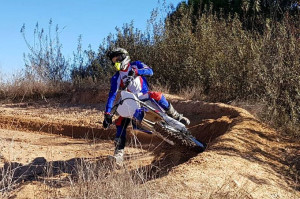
{"x":244,"y":155}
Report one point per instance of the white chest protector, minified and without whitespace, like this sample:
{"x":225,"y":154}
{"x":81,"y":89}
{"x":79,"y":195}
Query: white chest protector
{"x":135,"y":86}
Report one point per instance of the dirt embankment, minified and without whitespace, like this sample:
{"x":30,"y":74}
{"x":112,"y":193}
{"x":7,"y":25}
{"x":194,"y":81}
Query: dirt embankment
{"x":244,"y":155}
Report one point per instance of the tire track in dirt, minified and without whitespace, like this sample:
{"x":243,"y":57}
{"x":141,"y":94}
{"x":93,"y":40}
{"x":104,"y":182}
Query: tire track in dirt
{"x":54,"y":127}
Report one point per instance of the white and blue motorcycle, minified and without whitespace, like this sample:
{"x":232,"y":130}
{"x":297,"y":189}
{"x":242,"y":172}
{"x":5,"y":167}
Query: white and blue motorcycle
{"x":147,"y":116}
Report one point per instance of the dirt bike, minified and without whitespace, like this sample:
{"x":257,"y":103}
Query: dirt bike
{"x":147,"y":116}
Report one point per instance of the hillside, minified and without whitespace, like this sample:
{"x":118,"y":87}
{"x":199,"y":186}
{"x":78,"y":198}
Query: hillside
{"x":245,"y":158}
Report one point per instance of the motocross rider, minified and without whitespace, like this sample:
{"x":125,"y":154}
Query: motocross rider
{"x":135,"y":73}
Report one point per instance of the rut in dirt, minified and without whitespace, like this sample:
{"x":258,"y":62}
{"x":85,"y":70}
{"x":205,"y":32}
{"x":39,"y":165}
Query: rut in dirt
{"x":208,"y":121}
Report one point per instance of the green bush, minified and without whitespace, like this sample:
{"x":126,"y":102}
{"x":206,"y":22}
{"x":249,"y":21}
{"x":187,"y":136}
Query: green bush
{"x":224,"y":61}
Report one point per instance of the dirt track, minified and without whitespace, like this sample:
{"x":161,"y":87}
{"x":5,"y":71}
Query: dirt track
{"x":244,"y":155}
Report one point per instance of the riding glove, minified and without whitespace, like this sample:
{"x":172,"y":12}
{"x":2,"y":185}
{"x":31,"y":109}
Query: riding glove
{"x":107,"y":120}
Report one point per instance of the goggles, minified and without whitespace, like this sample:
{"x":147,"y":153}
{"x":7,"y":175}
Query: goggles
{"x":116,"y":61}
{"x":117,"y":66}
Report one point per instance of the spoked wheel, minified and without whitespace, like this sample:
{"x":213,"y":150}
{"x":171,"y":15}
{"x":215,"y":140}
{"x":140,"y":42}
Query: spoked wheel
{"x":181,"y":138}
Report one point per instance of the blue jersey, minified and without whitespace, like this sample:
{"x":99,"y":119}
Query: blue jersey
{"x":138,"y":86}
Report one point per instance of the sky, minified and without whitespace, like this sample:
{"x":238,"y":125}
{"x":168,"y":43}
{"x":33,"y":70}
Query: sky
{"x":92,"y":19}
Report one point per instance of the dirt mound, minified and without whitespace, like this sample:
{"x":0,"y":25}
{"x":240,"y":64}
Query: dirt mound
{"x":244,"y":156}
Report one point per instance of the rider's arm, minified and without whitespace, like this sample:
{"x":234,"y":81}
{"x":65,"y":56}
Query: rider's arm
{"x":114,"y":85}
{"x":142,"y":69}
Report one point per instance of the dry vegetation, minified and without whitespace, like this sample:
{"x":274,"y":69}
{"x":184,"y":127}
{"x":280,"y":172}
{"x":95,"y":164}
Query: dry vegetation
{"x":211,"y":56}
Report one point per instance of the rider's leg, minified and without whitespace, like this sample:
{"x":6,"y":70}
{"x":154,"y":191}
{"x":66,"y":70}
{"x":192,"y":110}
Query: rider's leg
{"x":120,"y":139}
{"x":177,"y":116}
{"x":162,"y":101}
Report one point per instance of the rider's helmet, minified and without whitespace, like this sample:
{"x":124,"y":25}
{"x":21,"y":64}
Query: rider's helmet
{"x":122,"y":60}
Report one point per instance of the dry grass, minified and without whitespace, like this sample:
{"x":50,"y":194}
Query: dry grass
{"x":88,"y":179}
{"x":104,"y":181}
{"x":22,"y":89}
{"x":6,"y":182}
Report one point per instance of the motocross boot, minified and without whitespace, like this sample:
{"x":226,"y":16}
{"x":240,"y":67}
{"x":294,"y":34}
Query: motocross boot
{"x":174,"y":114}
{"x":118,"y":156}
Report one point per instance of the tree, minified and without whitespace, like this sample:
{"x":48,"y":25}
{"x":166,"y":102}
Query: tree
{"x":252,"y":12}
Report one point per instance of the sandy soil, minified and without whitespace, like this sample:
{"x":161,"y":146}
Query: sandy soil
{"x":245,"y":158}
